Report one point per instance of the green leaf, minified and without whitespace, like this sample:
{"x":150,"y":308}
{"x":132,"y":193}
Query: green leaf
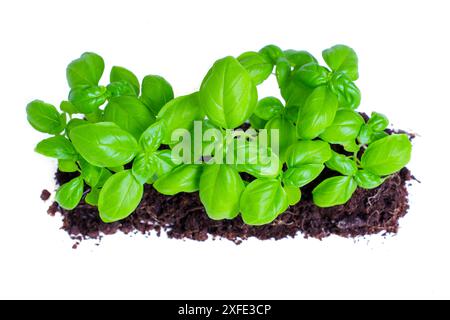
{"x":308,"y":152}
{"x":312,"y":74}
{"x":69,"y":194}
{"x":302,"y":175}
{"x":88,"y":99}
{"x":259,"y":161}
{"x":342,"y":164}
{"x":45,"y":118}
{"x":73,"y":123}
{"x":268,"y":107}
{"x":152,"y":138}
{"x":291,"y":113}
{"x":91,"y":174}
{"x":341,"y":58}
{"x":317,"y":113}
{"x":367,"y":180}
{"x":68,"y":107}
{"x":334,"y":191}
{"x":348,"y":94}
{"x":365,"y":134}
{"x":298,"y":59}
{"x":345,"y":127}
{"x":220,"y":190}
{"x":378,"y":122}
{"x":92,"y":197}
{"x":104,"y":144}
{"x":180,"y":113}
{"x":378,"y":135}
{"x":282,"y":72}
{"x":294,"y":195}
{"x":67,"y":166}
{"x":228,"y":94}
{"x":120,"y":88}
{"x":295,"y":93}
{"x":185,"y":178}
{"x":85,"y":71}
{"x":272,"y":52}
{"x":256,"y":122}
{"x":144,"y":167}
{"x":120,"y":74}
{"x":262,"y":201}
{"x":156,"y":92}
{"x":130,"y":114}
{"x":57,"y":147}
{"x":387,"y":155}
{"x":258,"y":65}
{"x":162,"y":164}
{"x":286,"y":134}
{"x":119,"y":197}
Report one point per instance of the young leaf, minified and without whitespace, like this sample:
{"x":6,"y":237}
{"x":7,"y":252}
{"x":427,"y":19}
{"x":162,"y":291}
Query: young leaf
{"x":272,"y":52}
{"x":144,"y":167}
{"x":67,"y":166}
{"x":88,"y":99}
{"x":286,"y":134}
{"x":387,"y":155}
{"x":69,"y":194}
{"x":185,"y":178}
{"x":343,"y":59}
{"x":282,"y":72}
{"x":317,"y":113}
{"x":130,"y":114}
{"x":119,"y":197}
{"x":228,"y":94}
{"x":68,"y":107}
{"x":367,"y":180}
{"x":119,"y":74}
{"x":268,"y":107}
{"x":152,"y":137}
{"x":73,"y":123}
{"x":92,"y":197}
{"x":302,"y":175}
{"x":334,"y":191}
{"x":262,"y":201}
{"x":365,"y":134}
{"x":85,"y":71}
{"x":162,"y":164}
{"x":348,"y":94}
{"x":256,"y":122}
{"x":156,"y":92}
{"x":378,"y":122}
{"x":104,"y":144}
{"x":308,"y":152}
{"x":298,"y":59}
{"x":342,"y":164}
{"x":258,"y":65}
{"x":120,"y":88}
{"x":345,"y":127}
{"x":220,"y":190}
{"x":45,"y":118}
{"x":57,"y":147}
{"x":91,"y":174}
{"x":312,"y":74}
{"x":294,"y":195}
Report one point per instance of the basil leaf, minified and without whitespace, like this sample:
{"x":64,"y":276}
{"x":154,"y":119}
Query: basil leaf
{"x":365,"y":134}
{"x":119,"y":197}
{"x":87,"y":99}
{"x":130,"y":114}
{"x":120,"y":88}
{"x":291,"y":113}
{"x":162,"y":164}
{"x":104,"y":144}
{"x":343,"y":59}
{"x":67,"y":166}
{"x":120,"y":74}
{"x":272,"y":52}
{"x":220,"y":190}
{"x":73,"y":123}
{"x":85,"y":71}
{"x":91,"y":174}
{"x":152,"y":138}
{"x":308,"y":152}
{"x":45,"y":118}
{"x":144,"y":167}
{"x":258,"y":66}
{"x":156,"y":92}
{"x":180,"y":113}
{"x":312,"y":74}
{"x":69,"y":194}
{"x":256,"y":122}
{"x":348,"y":94}
{"x":295,"y":93}
{"x":228,"y":94}
{"x":268,"y":107}
{"x":378,"y":122}
{"x":334,"y":191}
{"x":345,"y":127}
{"x":378,"y":135}
{"x":294,"y":195}
{"x":342,"y":164}
{"x":68,"y":107}
{"x":262,"y":201}
{"x":286,"y":134}
{"x":387,"y":155}
{"x":282,"y":72}
{"x":317,"y":113}
{"x":367,"y":180}
{"x":298,"y":59}
{"x":57,"y":147}
{"x":302,"y":175}
{"x":260,"y":163}
{"x":185,"y":178}
{"x":92,"y":197}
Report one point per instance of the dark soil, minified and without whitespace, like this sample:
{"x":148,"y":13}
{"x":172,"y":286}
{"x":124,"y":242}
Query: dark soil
{"x":45,"y":195}
{"x":182,"y":216}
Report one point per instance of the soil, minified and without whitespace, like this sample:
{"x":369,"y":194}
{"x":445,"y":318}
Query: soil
{"x":183,"y":217}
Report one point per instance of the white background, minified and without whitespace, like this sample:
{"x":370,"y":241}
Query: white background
{"x":403,"y":47}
